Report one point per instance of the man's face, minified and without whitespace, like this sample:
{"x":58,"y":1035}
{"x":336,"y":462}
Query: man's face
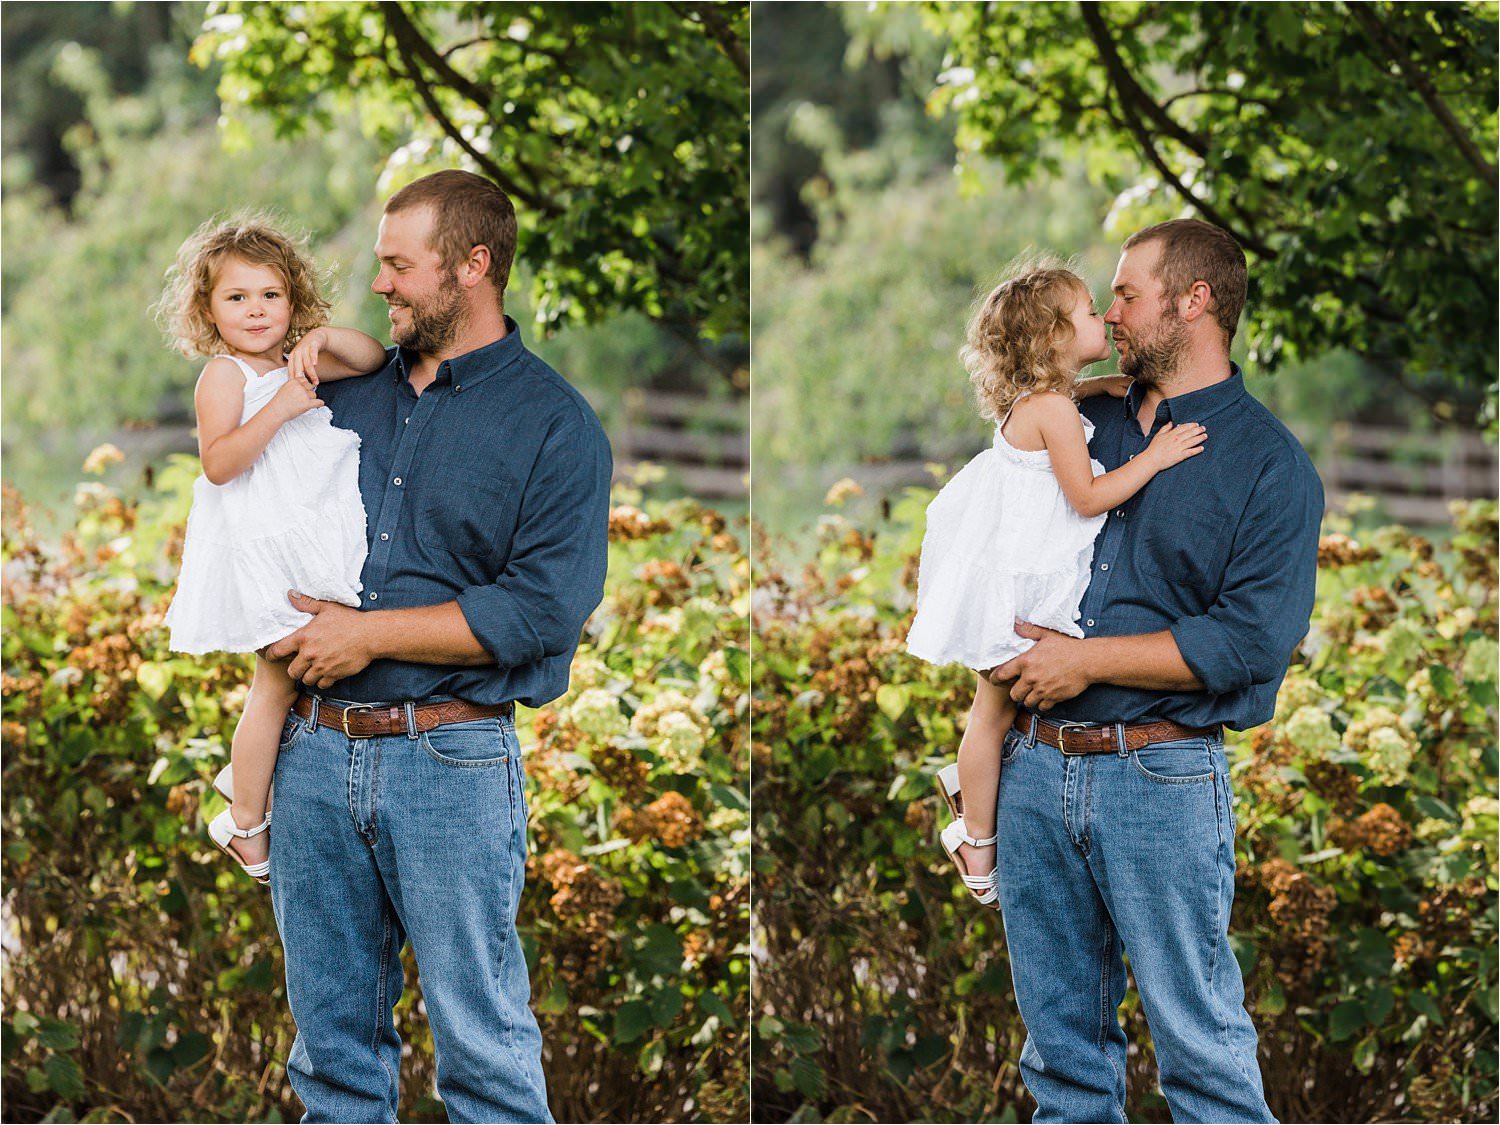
{"x":427,"y":307}
{"x":1148,"y":333}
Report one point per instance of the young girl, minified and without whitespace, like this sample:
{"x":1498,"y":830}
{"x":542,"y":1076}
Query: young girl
{"x":278,"y":506}
{"x":1011,"y":536}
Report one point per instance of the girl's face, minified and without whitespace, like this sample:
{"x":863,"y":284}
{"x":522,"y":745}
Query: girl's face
{"x":250,"y":307}
{"x":1090,"y":340}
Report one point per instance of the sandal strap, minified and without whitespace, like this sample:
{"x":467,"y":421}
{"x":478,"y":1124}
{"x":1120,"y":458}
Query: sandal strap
{"x":257,"y":870}
{"x":973,"y":842}
{"x":247,"y":833}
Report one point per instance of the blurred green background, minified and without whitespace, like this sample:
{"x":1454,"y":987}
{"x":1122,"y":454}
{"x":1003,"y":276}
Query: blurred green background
{"x":126,"y":125}
{"x":905,"y":153}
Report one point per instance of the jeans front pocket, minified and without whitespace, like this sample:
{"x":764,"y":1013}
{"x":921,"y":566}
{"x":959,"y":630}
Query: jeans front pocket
{"x":1010,"y":746}
{"x":292,"y":729}
{"x":1188,"y":761}
{"x":479,"y":744}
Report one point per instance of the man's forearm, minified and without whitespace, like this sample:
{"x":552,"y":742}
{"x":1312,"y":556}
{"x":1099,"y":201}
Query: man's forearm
{"x":1148,"y":660}
{"x":431,"y":634}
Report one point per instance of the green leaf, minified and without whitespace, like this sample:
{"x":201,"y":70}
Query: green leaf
{"x":1424,"y":1004}
{"x":1272,"y":1001}
{"x":191,"y":1047}
{"x":63,"y":1077}
{"x":808,"y":1077}
{"x":556,"y":1000}
{"x":57,"y":1035}
{"x":1486,"y":999}
{"x":1244,"y":952}
{"x":1443,"y":681}
{"x":1365,"y":1053}
{"x":652,"y":1056}
{"x":153,"y":678}
{"x":803,"y":1039}
{"x":659,"y":952}
{"x":1379,"y":1004}
{"x":25,"y":1023}
{"x":632,"y":1020}
{"x":666,"y":1006}
{"x":714,"y":1005}
{"x":892,"y":699}
{"x":1345,"y":1019}
{"x":929,"y":1049}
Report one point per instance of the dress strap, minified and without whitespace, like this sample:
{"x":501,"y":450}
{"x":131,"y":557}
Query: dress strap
{"x":1001,"y":424}
{"x":245,"y":369}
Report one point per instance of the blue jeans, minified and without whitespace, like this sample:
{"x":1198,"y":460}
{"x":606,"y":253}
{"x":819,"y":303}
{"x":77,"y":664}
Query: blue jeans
{"x":381,"y":841}
{"x":1110,"y":853}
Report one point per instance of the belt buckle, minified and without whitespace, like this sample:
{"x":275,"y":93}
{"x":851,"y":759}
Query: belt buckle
{"x":1063,"y":726}
{"x":344,"y":717}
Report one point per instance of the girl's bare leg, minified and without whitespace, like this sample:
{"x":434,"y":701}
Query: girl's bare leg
{"x":253,"y":753}
{"x":990,"y":717}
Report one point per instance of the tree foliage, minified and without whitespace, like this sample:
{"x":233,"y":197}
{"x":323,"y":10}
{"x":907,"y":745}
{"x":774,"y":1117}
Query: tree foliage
{"x":620,"y":130}
{"x":1348,"y":146}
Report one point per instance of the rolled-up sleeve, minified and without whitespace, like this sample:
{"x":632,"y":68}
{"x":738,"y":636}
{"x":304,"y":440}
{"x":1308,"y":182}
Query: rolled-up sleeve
{"x":1265,"y":601}
{"x":554,"y":577}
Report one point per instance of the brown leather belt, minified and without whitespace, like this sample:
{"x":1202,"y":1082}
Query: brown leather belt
{"x":1074,"y":738}
{"x":375,"y":720}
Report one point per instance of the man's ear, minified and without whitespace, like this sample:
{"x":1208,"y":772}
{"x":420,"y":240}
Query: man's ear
{"x":1197,"y":301}
{"x":476,"y":266}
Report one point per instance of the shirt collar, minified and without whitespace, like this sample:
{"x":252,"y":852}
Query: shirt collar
{"x":1195,"y":405}
{"x":472,"y":367}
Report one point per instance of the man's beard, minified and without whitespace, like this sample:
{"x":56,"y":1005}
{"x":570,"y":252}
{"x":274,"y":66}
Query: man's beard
{"x":1152,"y":360}
{"x":435,"y":322}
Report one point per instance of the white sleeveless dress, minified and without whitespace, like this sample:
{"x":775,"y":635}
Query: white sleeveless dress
{"x":293,"y":520}
{"x":1002,"y":544}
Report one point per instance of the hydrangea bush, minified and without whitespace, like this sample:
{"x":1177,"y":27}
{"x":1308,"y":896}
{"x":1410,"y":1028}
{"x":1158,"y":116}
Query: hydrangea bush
{"x":1365,"y":913}
{"x":143,"y":976}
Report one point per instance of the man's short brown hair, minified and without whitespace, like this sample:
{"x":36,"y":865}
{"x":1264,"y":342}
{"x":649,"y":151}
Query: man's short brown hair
{"x":1192,"y":250}
{"x":467,"y":211}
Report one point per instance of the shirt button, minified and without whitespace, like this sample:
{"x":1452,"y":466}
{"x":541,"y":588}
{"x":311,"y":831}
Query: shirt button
{"x":406,"y":421}
{"x":397,"y":482}
{"x":376,"y":597}
{"x":384,"y":536}
{"x":1089,"y":623}
{"x":1120,"y":512}
{"x":1104,"y":566}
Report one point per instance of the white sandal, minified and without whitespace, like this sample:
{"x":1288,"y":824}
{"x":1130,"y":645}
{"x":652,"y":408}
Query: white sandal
{"x":224,"y":785}
{"x":947,"y":783}
{"x":222,"y":830}
{"x":982,"y":887}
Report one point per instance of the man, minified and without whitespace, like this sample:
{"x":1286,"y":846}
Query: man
{"x":399,"y":806}
{"x":1116,"y":818}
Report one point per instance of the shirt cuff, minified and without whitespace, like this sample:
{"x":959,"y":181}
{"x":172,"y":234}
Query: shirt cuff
{"x":1206,"y":648}
{"x":503,"y":632}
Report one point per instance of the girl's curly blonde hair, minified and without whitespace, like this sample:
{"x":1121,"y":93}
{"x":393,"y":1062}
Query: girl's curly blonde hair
{"x":183,"y":309}
{"x":1016,"y":339}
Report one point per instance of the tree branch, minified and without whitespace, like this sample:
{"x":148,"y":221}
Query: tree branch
{"x":1132,"y":121}
{"x":719,"y":31}
{"x":1131,"y":90}
{"x":1417,"y":79}
{"x":414,"y":49}
{"x":532,"y":198}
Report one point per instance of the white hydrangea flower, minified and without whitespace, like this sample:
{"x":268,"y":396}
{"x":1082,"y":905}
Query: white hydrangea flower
{"x":596,"y":712}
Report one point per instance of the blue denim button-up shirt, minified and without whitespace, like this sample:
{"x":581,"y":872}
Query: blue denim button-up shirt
{"x":491,"y":488}
{"x":1221,"y":549}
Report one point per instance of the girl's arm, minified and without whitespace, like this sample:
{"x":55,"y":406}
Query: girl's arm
{"x":1061,"y":428}
{"x":225,"y":447}
{"x":1115,"y":385}
{"x":325,"y":354}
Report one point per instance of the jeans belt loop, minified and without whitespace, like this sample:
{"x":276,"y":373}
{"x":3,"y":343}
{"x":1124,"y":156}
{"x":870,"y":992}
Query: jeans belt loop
{"x":1120,"y":736}
{"x":1031,"y":738}
{"x":411,"y":720}
{"x":312,"y":721}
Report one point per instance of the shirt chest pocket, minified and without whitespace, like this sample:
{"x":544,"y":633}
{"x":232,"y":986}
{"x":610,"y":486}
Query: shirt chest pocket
{"x":469,"y":515}
{"x":1189,"y":552}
